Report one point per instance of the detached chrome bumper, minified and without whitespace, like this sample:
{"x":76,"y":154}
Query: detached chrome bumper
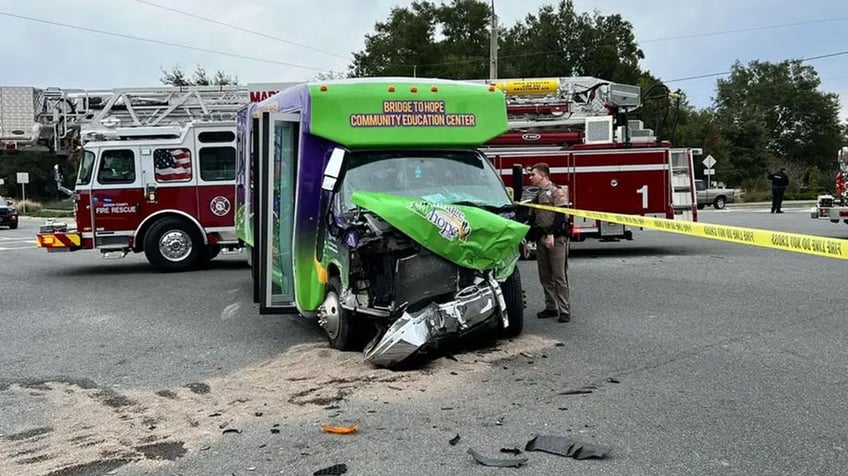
{"x":473,"y":306}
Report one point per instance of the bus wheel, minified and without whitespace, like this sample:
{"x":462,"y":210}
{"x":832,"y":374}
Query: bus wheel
{"x":336,"y":320}
{"x":513,"y":295}
{"x":172,"y":245}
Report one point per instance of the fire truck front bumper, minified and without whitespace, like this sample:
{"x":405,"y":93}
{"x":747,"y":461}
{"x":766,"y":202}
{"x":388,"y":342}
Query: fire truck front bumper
{"x":56,"y":237}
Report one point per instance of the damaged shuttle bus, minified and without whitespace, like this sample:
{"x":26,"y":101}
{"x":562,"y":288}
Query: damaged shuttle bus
{"x":365,"y":203}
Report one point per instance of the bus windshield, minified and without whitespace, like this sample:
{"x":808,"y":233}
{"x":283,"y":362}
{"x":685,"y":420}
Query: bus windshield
{"x":444,"y":177}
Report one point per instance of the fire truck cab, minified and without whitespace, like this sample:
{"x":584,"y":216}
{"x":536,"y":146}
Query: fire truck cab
{"x":170,"y":196}
{"x":157,"y":175}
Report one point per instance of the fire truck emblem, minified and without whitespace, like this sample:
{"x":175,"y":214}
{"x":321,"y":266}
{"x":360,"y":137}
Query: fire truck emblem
{"x":220,"y":206}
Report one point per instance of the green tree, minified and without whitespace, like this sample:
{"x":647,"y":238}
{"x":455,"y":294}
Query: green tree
{"x":406,"y":39}
{"x":176,"y":77}
{"x":774,"y":114}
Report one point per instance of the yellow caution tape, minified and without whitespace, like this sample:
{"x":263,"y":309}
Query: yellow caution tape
{"x":798,"y":243}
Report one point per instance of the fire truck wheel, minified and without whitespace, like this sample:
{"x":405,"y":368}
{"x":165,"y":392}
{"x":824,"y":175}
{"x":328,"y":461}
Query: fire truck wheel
{"x":514,"y":298}
{"x":172,"y":245}
{"x":212,"y":251}
{"x":336,"y":320}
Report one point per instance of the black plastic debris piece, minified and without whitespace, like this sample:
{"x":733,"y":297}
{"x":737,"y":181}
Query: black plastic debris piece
{"x":231,"y":430}
{"x":613,"y":380}
{"x":565,"y":446}
{"x":334,"y":469}
{"x":514,"y":451}
{"x":453,"y":441}
{"x":581,"y":391}
{"x":496,"y":462}
{"x":275,"y":431}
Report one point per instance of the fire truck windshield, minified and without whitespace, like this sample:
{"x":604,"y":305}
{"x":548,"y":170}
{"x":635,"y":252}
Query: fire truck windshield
{"x":441,"y":177}
{"x":86,"y":167}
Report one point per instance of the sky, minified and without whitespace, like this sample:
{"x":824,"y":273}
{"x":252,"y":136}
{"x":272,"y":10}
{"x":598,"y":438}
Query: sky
{"x":315,"y":36}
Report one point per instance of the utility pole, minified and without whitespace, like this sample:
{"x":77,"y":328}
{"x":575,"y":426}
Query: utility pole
{"x":493,"y":45}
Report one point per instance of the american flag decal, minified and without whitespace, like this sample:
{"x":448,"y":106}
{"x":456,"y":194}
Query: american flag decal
{"x":172,"y":165}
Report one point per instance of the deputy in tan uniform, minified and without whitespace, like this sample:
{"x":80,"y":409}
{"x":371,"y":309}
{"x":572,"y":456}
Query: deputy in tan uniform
{"x":550,"y":232}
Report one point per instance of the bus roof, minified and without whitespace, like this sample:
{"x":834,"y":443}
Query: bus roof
{"x":382,"y":112}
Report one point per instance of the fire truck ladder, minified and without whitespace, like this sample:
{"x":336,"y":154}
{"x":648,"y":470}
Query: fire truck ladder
{"x":569,"y":110}
{"x":60,"y":120}
{"x":108,"y":114}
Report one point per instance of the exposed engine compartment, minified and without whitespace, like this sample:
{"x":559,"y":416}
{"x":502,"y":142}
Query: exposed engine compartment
{"x":417,"y":296}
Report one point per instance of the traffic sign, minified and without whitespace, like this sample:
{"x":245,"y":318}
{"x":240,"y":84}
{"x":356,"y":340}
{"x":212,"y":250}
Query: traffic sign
{"x":709,"y":171}
{"x":23,"y":177}
{"x":709,"y":162}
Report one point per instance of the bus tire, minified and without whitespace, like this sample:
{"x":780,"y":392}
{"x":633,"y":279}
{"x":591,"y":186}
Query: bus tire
{"x":513,"y":295}
{"x":339,"y":321}
{"x":173,"y":245}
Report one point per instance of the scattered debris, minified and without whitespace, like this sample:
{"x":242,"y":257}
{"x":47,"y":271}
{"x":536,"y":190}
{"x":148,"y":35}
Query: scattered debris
{"x":231,"y":430}
{"x":275,"y":431}
{"x":394,"y":387}
{"x":332,"y":470}
{"x":447,"y":408}
{"x":514,"y":451}
{"x":499,"y":421}
{"x":167,"y":394}
{"x":496,"y":462}
{"x":216,"y":414}
{"x":559,"y":344}
{"x":258,"y":414}
{"x":581,"y":391}
{"x":525,"y":354}
{"x":564,"y":446}
{"x":340,"y":430}
{"x":170,"y":451}
{"x":613,"y":380}
{"x":198,"y":388}
{"x":453,"y":441}
{"x":332,"y":407}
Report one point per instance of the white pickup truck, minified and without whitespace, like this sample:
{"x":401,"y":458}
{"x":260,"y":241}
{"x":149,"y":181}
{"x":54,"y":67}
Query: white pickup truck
{"x":717,"y":197}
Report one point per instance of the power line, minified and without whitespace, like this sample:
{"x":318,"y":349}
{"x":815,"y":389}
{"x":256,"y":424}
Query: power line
{"x":151,"y":40}
{"x":745,"y":30}
{"x":654,"y":40}
{"x":712,"y":75}
{"x":236,"y":27}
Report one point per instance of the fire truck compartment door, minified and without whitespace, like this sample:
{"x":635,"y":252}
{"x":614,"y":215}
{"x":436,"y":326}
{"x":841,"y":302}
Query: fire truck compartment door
{"x":116,"y":196}
{"x":276,"y":185}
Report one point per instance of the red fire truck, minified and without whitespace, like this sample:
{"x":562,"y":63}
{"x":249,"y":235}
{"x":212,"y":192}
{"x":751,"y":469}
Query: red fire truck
{"x":579,"y":127}
{"x":157,"y":172}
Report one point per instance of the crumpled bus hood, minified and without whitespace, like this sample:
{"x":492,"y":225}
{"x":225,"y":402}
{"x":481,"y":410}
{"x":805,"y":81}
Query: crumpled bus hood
{"x":465,"y":235}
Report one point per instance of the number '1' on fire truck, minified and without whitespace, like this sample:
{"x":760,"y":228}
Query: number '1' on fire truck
{"x":157,"y":173}
{"x":579,"y":126}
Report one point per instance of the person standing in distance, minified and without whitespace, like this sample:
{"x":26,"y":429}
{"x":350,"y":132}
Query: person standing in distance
{"x":779,"y":182}
{"x":550,"y":232}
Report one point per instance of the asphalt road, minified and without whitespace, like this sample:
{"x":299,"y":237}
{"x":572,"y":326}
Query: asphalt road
{"x":684,"y":356}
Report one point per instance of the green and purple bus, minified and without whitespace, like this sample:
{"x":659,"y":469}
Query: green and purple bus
{"x":365,"y":203}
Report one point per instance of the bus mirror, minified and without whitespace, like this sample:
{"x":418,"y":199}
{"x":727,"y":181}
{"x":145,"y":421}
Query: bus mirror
{"x":331,"y":172}
{"x":511,"y":192}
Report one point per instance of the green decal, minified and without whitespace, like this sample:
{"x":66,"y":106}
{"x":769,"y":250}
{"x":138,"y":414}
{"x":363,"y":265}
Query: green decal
{"x":468,"y":236}
{"x":407,"y":111}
